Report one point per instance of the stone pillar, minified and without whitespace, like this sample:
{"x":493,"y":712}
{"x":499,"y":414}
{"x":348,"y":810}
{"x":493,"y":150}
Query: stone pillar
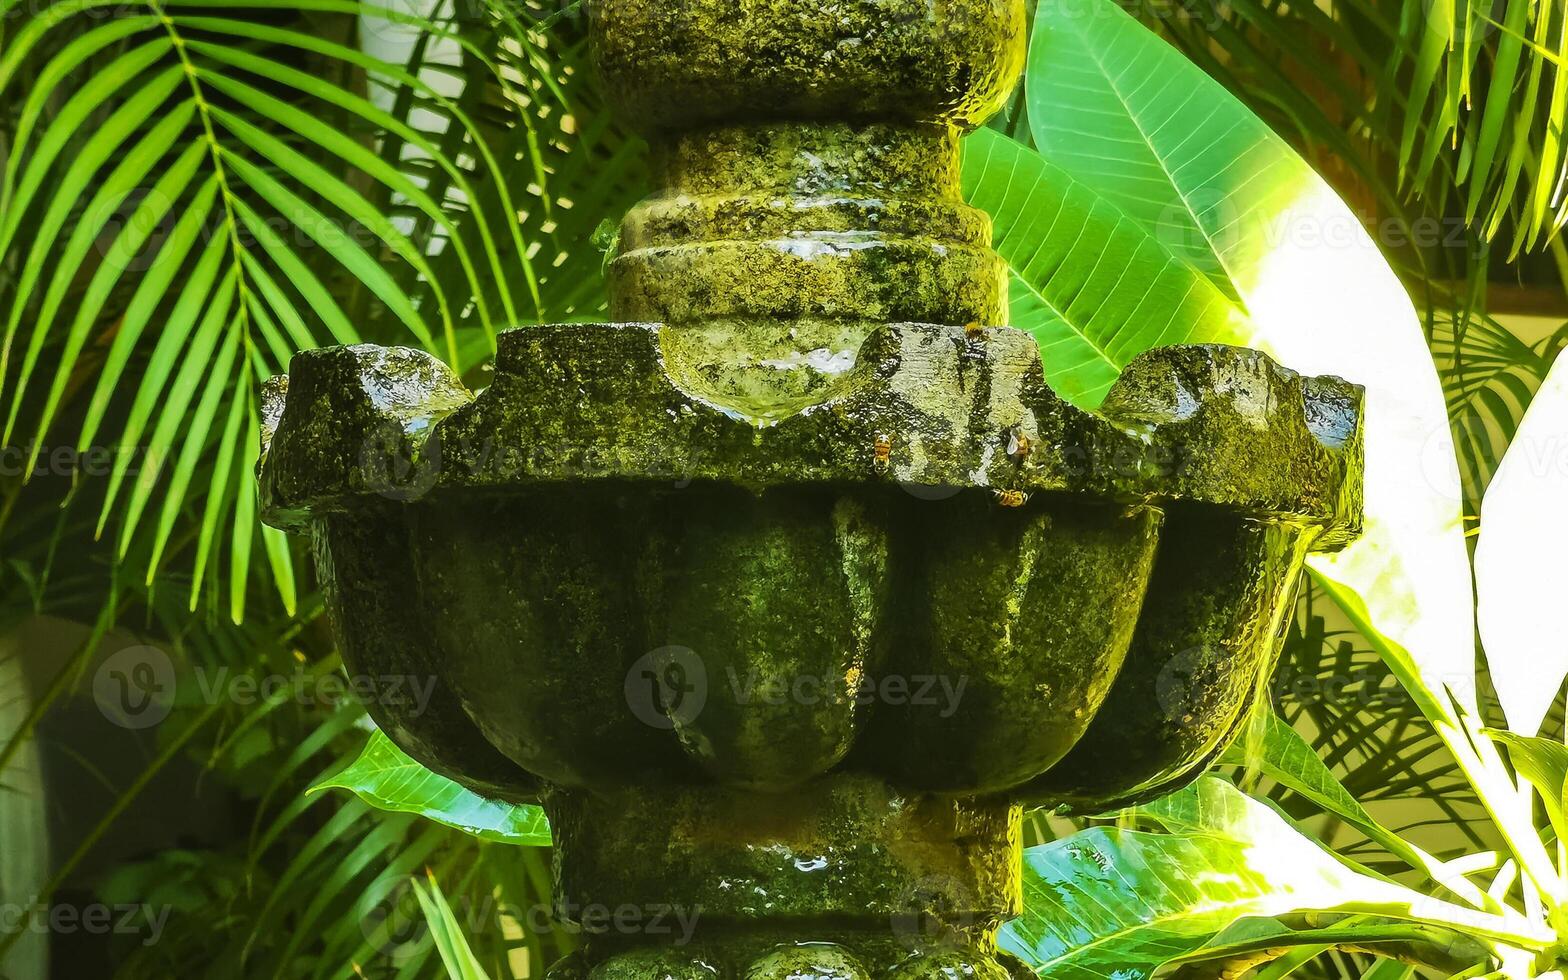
{"x":807,"y":152}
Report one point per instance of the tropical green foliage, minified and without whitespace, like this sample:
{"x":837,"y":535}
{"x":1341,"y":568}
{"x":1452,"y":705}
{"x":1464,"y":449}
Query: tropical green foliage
{"x":385,"y":777}
{"x":1460,"y":98}
{"x":191,"y":191}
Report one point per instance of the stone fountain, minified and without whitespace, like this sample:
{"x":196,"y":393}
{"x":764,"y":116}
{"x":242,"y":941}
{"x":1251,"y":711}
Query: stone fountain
{"x":785,"y":592}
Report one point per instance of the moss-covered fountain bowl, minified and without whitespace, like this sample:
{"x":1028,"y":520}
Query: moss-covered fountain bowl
{"x":944,"y":577}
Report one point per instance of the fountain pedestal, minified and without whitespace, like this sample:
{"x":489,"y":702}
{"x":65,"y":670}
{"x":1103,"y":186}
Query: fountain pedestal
{"x":785,"y":591}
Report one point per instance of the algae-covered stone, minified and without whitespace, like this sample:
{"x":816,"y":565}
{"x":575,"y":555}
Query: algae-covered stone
{"x":783,"y":591}
{"x":806,"y":153}
{"x":680,"y":65}
{"x":808,"y":961}
{"x":933,"y":576}
{"x":923,"y":405}
{"x":1206,"y":643}
{"x":848,"y":848}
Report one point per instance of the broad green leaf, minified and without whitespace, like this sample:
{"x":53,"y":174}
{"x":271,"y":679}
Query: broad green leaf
{"x":1093,"y":101}
{"x":1388,"y":970}
{"x":1520,"y":572}
{"x":1322,"y":300}
{"x":1093,"y":286}
{"x":386,"y":778}
{"x":1291,"y":963}
{"x":1108,"y":902}
{"x":1544,"y":763}
{"x":1279,"y":752}
{"x":1128,"y":117}
{"x":1262,"y":940}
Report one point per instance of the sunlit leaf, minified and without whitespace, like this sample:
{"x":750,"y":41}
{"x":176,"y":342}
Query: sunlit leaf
{"x":1322,"y":300}
{"x":385,"y":777}
{"x":1093,"y":286}
{"x":1112,"y":902}
{"x":1195,"y":168}
{"x":1544,"y":763}
{"x":1521,"y":576}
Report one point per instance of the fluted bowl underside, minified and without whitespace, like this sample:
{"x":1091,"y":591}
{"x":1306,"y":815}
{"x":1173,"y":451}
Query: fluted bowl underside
{"x":604,"y":634}
{"x":944,"y":576}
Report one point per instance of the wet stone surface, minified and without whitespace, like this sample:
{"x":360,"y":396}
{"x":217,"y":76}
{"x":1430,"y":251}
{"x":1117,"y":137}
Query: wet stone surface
{"x":788,"y":589}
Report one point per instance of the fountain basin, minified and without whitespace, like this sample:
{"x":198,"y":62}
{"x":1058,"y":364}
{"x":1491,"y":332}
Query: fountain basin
{"x":937,"y":577}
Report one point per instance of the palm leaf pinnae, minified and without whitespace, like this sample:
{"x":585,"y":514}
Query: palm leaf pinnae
{"x":193,"y":194}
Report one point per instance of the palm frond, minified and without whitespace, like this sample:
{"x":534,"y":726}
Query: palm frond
{"x":1489,"y":377}
{"x":1463,"y":100}
{"x":253,"y":184}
